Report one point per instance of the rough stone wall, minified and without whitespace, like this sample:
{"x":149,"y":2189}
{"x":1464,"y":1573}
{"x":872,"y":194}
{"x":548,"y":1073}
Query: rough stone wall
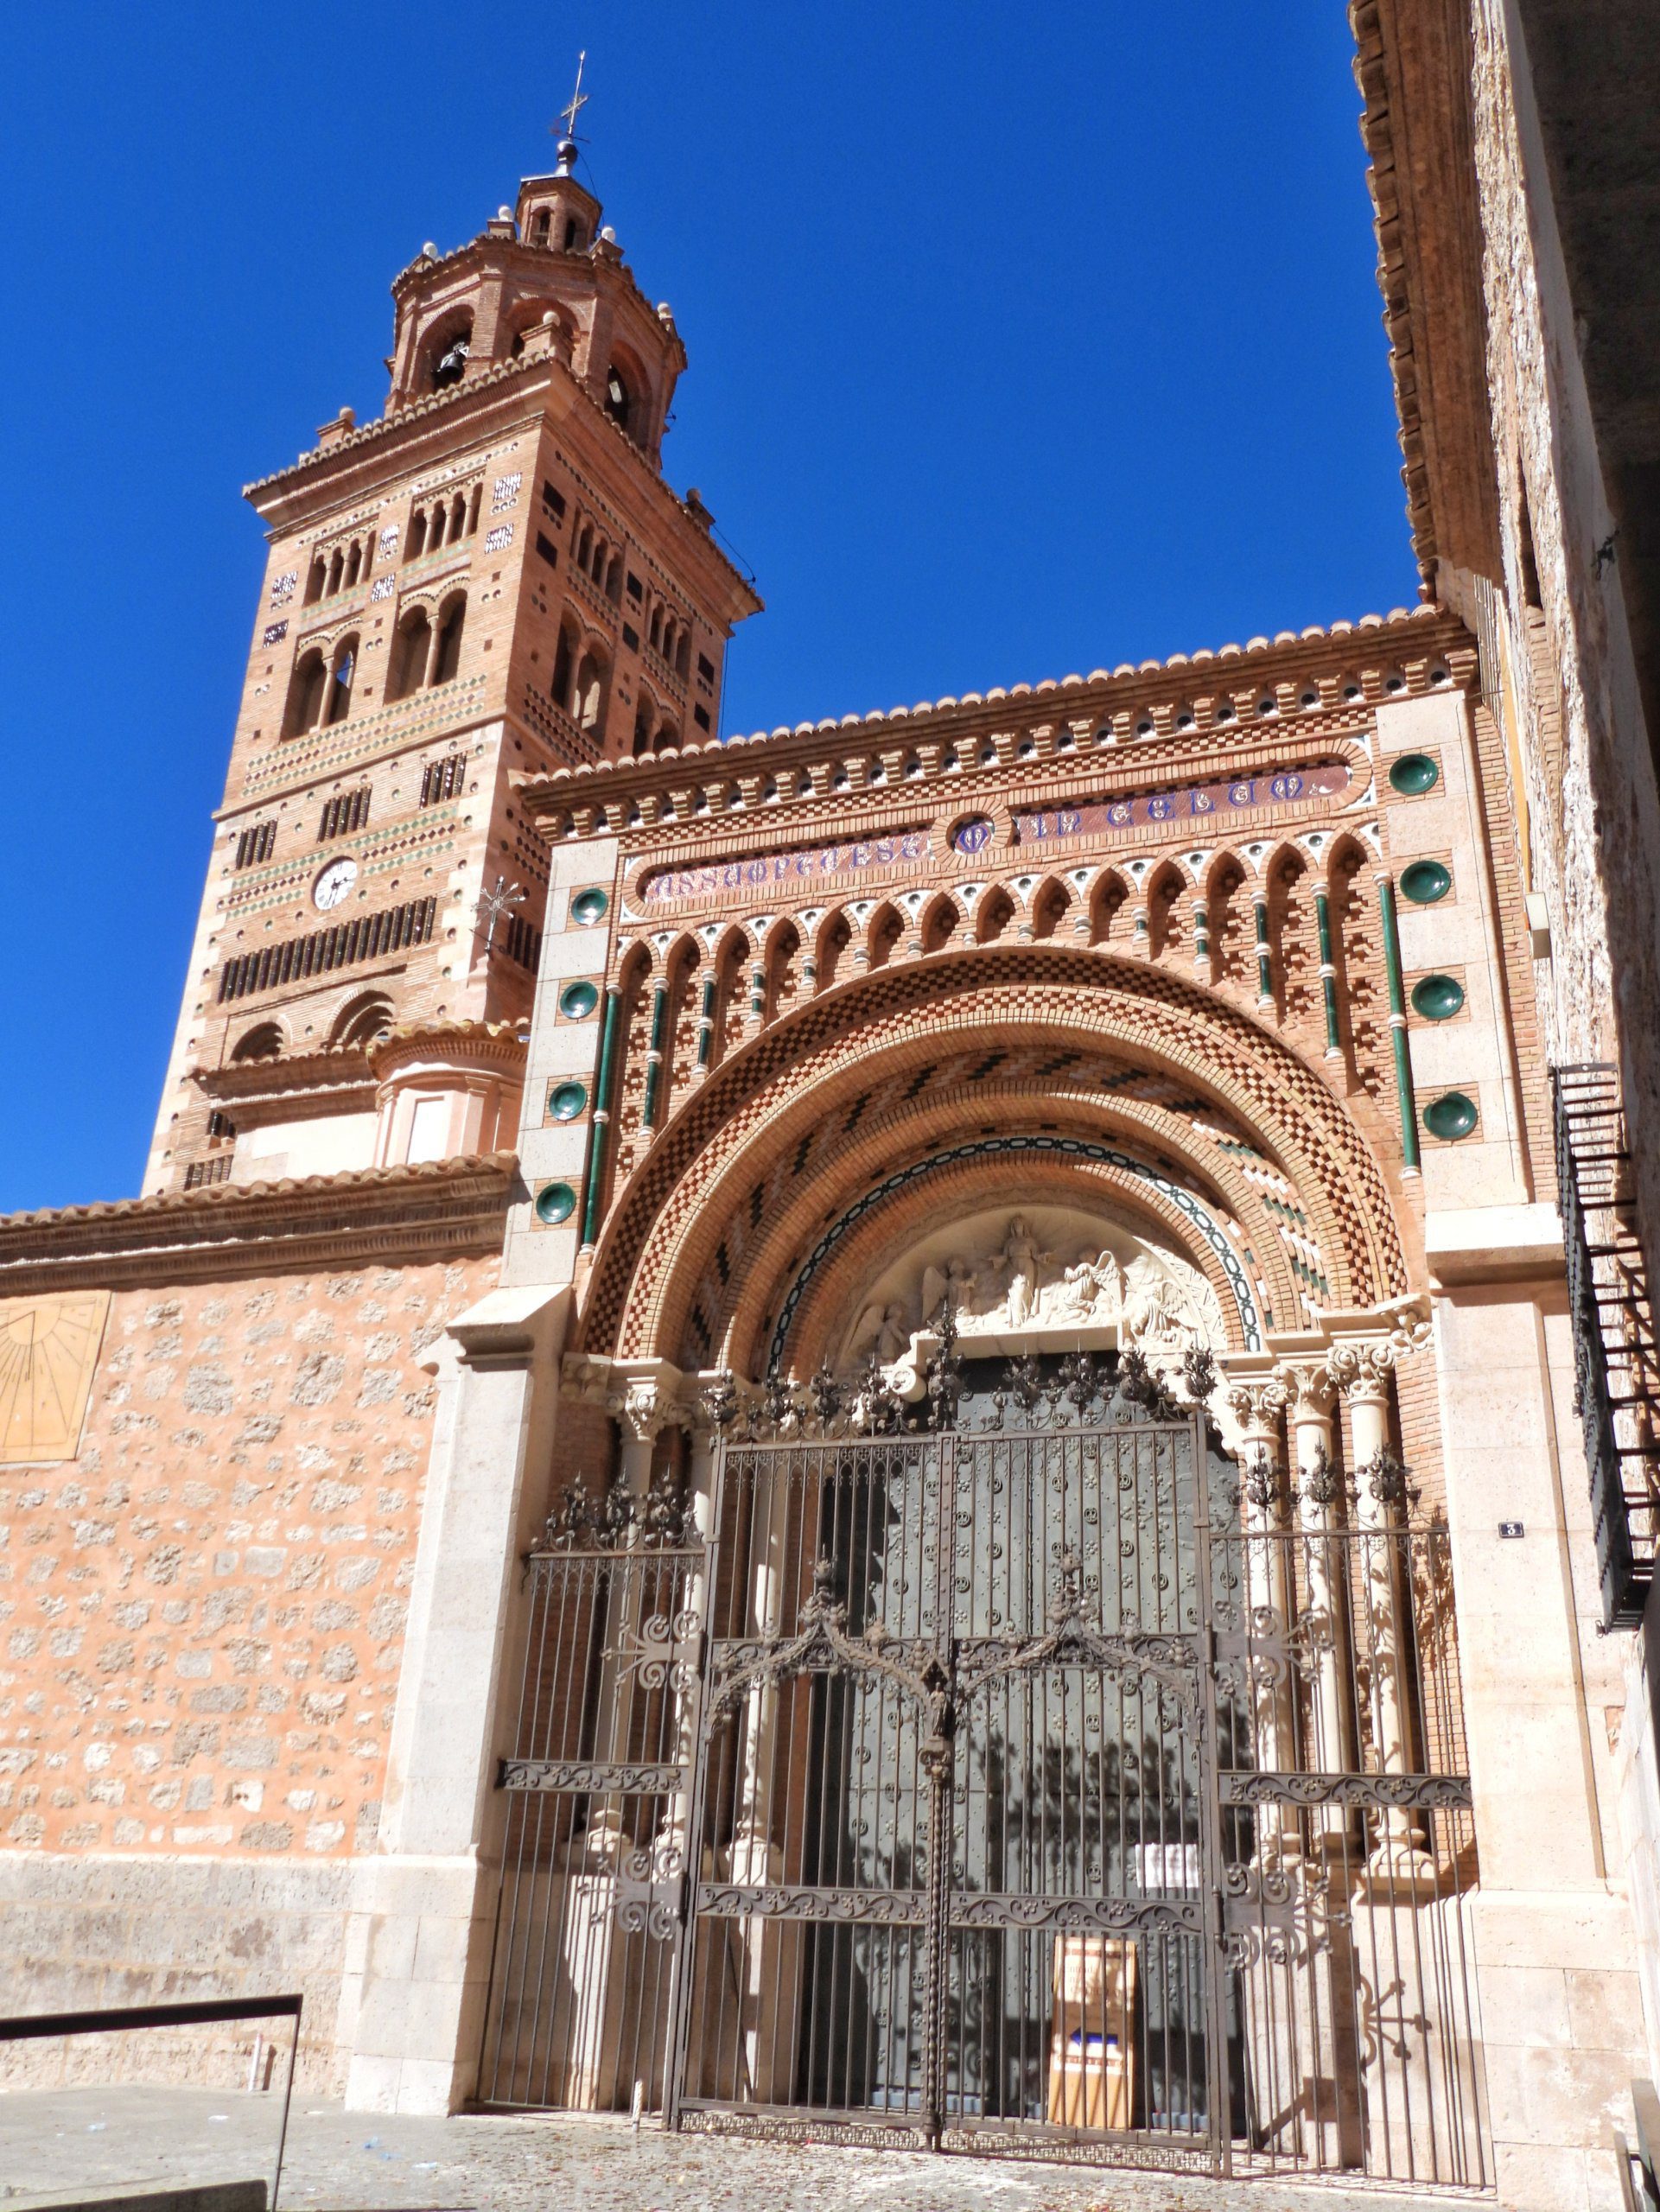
{"x":1587,"y":761}
{"x":93,"y":1930}
{"x":201,"y":1616}
{"x":1595,"y":818}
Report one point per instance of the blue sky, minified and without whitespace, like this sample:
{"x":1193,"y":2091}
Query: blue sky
{"x":1023,"y":340}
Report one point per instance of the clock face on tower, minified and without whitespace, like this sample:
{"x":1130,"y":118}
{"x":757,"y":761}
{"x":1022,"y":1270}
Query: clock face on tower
{"x":333,"y":884}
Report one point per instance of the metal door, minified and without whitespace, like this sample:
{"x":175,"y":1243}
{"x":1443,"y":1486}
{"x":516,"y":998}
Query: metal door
{"x":598,"y":1787}
{"x":957,"y":1827}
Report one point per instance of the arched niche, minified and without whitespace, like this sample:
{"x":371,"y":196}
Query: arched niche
{"x":1032,"y":1278}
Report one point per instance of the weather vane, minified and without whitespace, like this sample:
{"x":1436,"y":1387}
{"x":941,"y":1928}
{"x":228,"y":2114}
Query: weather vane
{"x":499,"y":906}
{"x":578,"y":101}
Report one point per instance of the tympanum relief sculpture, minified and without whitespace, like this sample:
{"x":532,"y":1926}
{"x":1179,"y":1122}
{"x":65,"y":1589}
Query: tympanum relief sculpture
{"x":1045,"y":1278}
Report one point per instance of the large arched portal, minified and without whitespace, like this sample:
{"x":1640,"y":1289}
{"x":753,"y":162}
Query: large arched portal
{"x":986,"y":1704}
{"x":1203,"y":1108}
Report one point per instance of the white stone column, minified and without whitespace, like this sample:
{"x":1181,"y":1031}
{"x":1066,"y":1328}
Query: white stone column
{"x":605,"y":1973}
{"x":1324,"y":1621}
{"x":1295,"y":2019}
{"x":703,"y":1501}
{"x":418,"y":1942}
{"x":1258,"y":1407}
{"x":1363,"y":1372}
{"x":765,"y":1952}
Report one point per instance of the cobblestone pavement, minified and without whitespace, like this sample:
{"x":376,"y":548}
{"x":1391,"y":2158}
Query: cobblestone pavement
{"x":352,"y":2162}
{"x":347,"y":2162}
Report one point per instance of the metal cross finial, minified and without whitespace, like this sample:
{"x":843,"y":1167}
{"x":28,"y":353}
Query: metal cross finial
{"x":498,"y":903}
{"x":569,"y":114}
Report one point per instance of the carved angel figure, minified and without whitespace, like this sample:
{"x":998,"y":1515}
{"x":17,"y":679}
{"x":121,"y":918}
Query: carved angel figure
{"x":957,"y":1280}
{"x":1155,"y":1311}
{"x":884,"y":1329}
{"x":1093,"y":1290}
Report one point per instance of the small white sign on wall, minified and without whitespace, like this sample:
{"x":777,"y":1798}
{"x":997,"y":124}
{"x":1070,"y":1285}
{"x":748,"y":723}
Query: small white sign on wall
{"x":1166,"y":1865}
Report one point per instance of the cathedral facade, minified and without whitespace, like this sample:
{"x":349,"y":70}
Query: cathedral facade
{"x":874,"y":1431}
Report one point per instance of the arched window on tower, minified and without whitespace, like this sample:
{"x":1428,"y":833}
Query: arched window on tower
{"x":539,"y":223}
{"x":564,"y":662}
{"x":343,"y":668}
{"x":446,"y":655}
{"x":619,"y":400}
{"x":644,"y":716}
{"x":411,"y":647}
{"x":449,"y":358}
{"x":262,"y":1041}
{"x":305,"y":693}
{"x":588,"y":705}
{"x":316,"y":578}
{"x":418,"y":544}
{"x":354,"y":564}
{"x":362,"y":1020}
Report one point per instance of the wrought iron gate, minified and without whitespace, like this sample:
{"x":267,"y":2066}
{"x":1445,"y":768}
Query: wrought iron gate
{"x":978,"y":1788}
{"x":598,"y":1793}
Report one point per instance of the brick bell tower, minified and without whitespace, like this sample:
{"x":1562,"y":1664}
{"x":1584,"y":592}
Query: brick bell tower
{"x":493,"y":576}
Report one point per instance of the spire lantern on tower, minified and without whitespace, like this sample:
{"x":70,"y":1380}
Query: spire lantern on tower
{"x":569,"y":142}
{"x":556,"y":211}
{"x":544,"y":281}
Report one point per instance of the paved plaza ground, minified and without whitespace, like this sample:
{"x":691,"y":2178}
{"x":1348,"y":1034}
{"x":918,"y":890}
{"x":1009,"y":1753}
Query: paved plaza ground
{"x":342,"y":2162}
{"x":349,"y":2162}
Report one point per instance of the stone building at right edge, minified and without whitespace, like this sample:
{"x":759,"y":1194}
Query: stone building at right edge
{"x":1516,"y":185}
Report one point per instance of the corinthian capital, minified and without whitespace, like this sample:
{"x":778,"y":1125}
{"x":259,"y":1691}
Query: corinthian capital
{"x":646,"y":1405}
{"x":1362,"y":1370}
{"x":1308,"y":1385}
{"x":1257,"y":1405}
{"x":641,"y":1410}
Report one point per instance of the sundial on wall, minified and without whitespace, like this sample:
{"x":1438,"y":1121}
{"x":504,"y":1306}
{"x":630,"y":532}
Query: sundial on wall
{"x":49,"y":1347}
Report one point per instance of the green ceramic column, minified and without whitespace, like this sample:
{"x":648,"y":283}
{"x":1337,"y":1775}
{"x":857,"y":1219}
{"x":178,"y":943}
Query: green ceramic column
{"x":654,"y":1055}
{"x":600,"y":1132}
{"x":1327,"y":975}
{"x":706,"y":1023}
{"x":1264,"y":950}
{"x":1398,"y":1026}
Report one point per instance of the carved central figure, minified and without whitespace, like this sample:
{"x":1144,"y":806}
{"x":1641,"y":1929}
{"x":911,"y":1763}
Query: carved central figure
{"x":1046,"y":1275}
